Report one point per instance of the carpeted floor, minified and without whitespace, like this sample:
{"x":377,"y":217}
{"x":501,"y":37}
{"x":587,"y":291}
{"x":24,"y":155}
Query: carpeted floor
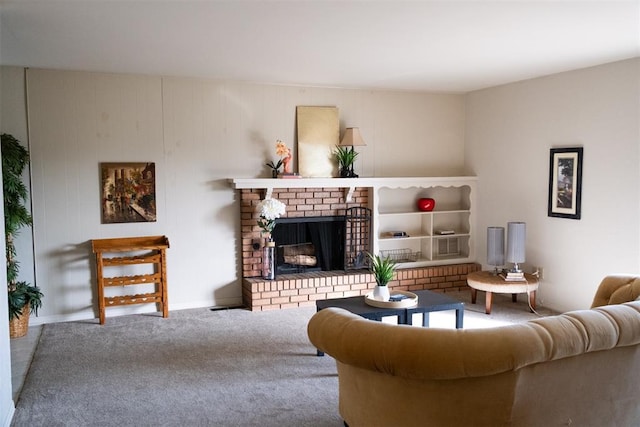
{"x":197,"y":368}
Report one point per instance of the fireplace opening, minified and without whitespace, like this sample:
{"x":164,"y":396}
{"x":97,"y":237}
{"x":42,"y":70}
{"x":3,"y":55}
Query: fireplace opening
{"x":309,"y":244}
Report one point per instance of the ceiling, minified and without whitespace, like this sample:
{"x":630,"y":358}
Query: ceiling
{"x":441,"y":46}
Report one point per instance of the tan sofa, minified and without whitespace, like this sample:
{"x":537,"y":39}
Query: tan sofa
{"x":580,"y":368}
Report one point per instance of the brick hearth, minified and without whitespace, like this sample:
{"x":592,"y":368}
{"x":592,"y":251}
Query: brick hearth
{"x":298,"y":290}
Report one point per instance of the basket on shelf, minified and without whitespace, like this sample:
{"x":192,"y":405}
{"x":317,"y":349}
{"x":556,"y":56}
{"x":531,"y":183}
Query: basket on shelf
{"x":19,"y":326}
{"x":400,"y":255}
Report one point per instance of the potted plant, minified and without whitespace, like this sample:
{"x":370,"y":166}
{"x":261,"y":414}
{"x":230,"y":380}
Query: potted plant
{"x":346,"y":157}
{"x":23,"y":298}
{"x":285,"y":154}
{"x":383,"y":270}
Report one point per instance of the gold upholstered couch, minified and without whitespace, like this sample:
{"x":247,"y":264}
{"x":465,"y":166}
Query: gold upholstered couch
{"x":580,"y":368}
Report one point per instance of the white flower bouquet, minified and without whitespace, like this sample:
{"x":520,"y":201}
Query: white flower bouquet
{"x":270,"y":210}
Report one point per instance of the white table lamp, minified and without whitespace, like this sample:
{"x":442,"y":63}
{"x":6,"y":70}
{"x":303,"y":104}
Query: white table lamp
{"x":516,"y":236}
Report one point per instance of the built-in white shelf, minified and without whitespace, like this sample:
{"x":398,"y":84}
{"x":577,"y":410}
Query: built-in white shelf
{"x":393,"y":206}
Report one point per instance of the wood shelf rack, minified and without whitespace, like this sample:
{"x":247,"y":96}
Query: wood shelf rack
{"x":155,"y":254}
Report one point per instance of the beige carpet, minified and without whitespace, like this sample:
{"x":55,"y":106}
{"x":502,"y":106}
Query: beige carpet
{"x":198,"y":368}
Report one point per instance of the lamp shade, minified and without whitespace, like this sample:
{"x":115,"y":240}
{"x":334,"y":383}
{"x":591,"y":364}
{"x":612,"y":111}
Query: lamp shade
{"x":352,"y":138}
{"x":516,"y":236}
{"x":495,"y":246}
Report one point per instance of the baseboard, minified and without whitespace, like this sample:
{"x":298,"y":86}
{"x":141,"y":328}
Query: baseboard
{"x":132,"y":309}
{"x":9,"y":415}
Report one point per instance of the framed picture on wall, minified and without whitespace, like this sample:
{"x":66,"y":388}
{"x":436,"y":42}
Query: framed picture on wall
{"x":128,"y":192}
{"x":565,"y":182}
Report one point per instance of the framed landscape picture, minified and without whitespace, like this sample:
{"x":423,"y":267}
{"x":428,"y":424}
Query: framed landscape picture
{"x":565,"y":182}
{"x":128,"y":192}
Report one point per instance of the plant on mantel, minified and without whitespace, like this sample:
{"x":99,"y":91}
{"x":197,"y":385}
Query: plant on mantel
{"x":346,"y":157}
{"x":23,"y":298}
{"x":284,"y":153}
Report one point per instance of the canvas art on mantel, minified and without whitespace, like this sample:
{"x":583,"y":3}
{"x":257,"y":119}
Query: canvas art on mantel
{"x":128,"y":192}
{"x":318,"y":135}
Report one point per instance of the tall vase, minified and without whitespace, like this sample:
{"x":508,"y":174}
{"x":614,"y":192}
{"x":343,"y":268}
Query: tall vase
{"x":269,"y":260}
{"x":381,"y":293}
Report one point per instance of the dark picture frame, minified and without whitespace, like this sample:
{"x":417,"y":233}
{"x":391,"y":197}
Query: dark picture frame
{"x":565,"y":182}
{"x":128,"y":192}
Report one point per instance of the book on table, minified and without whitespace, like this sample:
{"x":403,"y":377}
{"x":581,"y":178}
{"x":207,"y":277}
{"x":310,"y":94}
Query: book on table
{"x":513,"y":276}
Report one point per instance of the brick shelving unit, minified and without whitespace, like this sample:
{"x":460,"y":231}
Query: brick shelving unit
{"x":298,"y":290}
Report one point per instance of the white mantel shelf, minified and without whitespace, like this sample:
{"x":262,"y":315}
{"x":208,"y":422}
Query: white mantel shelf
{"x":349,"y":184}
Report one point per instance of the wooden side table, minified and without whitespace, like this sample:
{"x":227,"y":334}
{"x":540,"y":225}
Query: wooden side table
{"x":154,"y":248}
{"x":491,"y":283}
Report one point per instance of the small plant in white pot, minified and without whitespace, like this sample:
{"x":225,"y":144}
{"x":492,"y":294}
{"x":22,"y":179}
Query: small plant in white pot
{"x":383,"y":270}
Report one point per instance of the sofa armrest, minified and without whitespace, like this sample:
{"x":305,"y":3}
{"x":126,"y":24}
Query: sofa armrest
{"x":617,"y":289}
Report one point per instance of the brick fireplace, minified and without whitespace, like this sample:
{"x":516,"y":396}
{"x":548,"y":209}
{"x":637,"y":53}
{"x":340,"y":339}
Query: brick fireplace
{"x":303,"y":289}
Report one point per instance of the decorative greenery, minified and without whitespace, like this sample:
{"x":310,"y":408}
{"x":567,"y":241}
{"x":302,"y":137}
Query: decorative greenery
{"x":282,"y":151}
{"x":20,"y":294}
{"x":382,"y":268}
{"x":275,"y":166}
{"x":270,"y":210}
{"x":14,"y":159}
{"x":345,"y":156}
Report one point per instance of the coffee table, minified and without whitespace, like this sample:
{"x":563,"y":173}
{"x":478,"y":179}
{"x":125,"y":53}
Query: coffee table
{"x":428,"y":301}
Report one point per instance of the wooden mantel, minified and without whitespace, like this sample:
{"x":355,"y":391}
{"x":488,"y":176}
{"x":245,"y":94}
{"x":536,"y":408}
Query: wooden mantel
{"x":349,"y":184}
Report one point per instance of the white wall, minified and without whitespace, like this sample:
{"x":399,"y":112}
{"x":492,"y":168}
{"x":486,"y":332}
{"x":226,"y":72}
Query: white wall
{"x":199,"y":133}
{"x":509,"y":131}
{"x":14,"y":122}
{"x":6,"y":399}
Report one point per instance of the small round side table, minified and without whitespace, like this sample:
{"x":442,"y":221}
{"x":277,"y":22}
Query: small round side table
{"x":490,"y":283}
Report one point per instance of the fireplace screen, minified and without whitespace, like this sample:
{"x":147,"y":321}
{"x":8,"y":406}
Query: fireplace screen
{"x":323,"y":243}
{"x":357,"y":238}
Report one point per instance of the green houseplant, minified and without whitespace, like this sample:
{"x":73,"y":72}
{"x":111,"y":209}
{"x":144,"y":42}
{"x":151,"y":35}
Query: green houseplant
{"x":346,"y":156}
{"x":23,"y":298}
{"x":383,"y":270}
{"x":282,"y":151}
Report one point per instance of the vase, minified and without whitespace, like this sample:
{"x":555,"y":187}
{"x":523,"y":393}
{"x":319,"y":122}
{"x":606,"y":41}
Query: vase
{"x":269,"y":260}
{"x":426,"y":204}
{"x":381,"y":293}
